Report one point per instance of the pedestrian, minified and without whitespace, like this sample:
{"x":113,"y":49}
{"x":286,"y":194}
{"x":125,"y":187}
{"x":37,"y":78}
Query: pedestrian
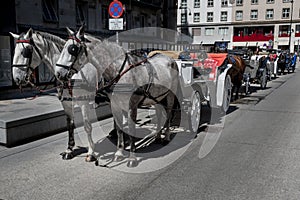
{"x":294,"y":61}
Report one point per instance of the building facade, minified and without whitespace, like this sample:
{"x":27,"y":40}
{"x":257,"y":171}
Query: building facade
{"x":54,"y":16}
{"x":207,"y":21}
{"x":249,"y":23}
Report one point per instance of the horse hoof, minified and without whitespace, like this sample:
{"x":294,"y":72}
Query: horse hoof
{"x":118,"y":158}
{"x":67,"y":156}
{"x":132,"y":162}
{"x":90,"y":158}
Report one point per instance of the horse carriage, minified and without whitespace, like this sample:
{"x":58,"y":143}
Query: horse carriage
{"x":286,"y":62}
{"x":272,"y":62}
{"x":201,"y":77}
{"x":258,"y":70}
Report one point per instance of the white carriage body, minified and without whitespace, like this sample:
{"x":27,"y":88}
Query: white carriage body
{"x":208,"y":82}
{"x":271,"y":64}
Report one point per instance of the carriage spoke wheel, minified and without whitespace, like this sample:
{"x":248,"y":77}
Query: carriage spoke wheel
{"x":194,"y":114}
{"x":227,"y":94}
{"x":263,"y":80}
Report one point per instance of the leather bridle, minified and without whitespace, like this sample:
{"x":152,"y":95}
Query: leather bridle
{"x":74,"y":50}
{"x":27,"y":53}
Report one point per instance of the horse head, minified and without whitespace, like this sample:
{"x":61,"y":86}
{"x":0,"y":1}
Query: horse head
{"x":26,"y":57}
{"x":71,"y":58}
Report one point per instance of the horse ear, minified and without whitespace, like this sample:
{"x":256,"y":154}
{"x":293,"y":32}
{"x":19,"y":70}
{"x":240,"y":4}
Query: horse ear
{"x":70,"y":32}
{"x":16,"y":36}
{"x":28,"y":34}
{"x":80,"y":33}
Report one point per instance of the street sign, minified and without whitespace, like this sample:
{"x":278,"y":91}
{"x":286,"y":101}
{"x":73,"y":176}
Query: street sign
{"x":115,"y":9}
{"x":116,"y":24}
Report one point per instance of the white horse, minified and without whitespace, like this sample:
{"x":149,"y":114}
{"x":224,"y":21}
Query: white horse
{"x":147,"y":82}
{"x":31,"y":50}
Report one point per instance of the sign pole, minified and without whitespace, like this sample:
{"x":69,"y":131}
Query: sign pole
{"x":117,"y":37}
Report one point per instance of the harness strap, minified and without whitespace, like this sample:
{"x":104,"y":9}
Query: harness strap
{"x":67,"y":67}
{"x":31,"y":42}
{"x":121,"y":72}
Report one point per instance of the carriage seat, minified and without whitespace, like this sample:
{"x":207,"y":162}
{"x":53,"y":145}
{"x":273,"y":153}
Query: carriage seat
{"x":171,"y":54}
{"x":218,"y":57}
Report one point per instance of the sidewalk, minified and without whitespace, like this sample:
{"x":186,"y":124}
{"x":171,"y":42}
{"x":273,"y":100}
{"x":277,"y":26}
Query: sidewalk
{"x":23,"y":118}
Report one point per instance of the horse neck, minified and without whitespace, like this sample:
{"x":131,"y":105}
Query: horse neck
{"x":108,"y":61}
{"x":48,"y":50}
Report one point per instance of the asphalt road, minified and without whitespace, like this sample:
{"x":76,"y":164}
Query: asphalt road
{"x":257,"y":156}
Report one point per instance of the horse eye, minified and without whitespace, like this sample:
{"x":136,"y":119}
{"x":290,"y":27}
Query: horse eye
{"x":27,"y":52}
{"x":73,"y":50}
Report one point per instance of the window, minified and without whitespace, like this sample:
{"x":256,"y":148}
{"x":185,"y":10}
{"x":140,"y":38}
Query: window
{"x":223,"y":31}
{"x":196,"y":31}
{"x":197,"y":4}
{"x":270,"y":1}
{"x":269,"y":14}
{"x":183,"y":4}
{"x":239,"y":15}
{"x":297,"y":32}
{"x":196,"y":17}
{"x":209,"y":31}
{"x":224,"y":3}
{"x":253,"y":14}
{"x":183,"y":18}
{"x":224,"y":16}
{"x":210,"y":16}
{"x":239,"y":2}
{"x":50,"y":11}
{"x":81,"y":12}
{"x":210,"y":3}
{"x":285,"y":13}
{"x":254,"y":1}
{"x":284,"y":30}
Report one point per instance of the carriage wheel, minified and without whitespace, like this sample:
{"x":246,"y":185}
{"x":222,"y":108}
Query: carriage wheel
{"x":227,"y":94}
{"x":195,"y":112}
{"x":263,"y":80}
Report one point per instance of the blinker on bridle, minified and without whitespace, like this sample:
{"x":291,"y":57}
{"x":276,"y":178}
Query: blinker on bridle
{"x":74,"y":50}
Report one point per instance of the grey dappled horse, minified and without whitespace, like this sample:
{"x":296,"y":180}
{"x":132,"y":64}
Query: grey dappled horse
{"x":145,"y":83}
{"x":31,"y":50}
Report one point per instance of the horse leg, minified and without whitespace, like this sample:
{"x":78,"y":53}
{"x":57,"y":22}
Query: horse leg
{"x":68,"y":154}
{"x":132,"y":115}
{"x":119,"y":155}
{"x":159,"y":113}
{"x":170,"y":103}
{"x":88,"y":129}
{"x":68,"y":108}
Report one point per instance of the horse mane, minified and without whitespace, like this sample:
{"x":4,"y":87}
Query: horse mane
{"x":59,"y":42}
{"x":113,"y":47}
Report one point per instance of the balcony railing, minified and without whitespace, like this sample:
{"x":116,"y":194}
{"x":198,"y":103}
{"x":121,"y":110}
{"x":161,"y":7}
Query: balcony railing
{"x":253,"y":37}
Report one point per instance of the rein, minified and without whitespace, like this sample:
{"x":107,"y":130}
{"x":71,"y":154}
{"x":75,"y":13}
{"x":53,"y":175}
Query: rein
{"x":121,"y":72}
